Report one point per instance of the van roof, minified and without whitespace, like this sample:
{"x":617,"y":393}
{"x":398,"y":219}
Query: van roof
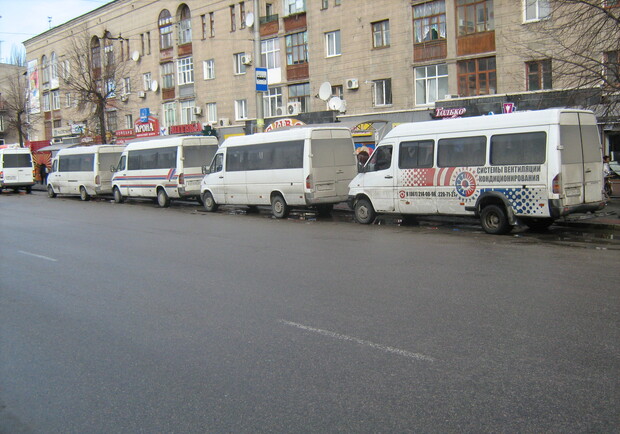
{"x":479,"y":123}
{"x":168,"y":141}
{"x":17,"y":150}
{"x":279,"y":136}
{"x":92,"y":149}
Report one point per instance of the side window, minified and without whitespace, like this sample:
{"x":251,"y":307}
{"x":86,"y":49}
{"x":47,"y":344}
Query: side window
{"x":216,"y":165}
{"x":55,"y":166}
{"x":381,"y":159}
{"x":521,"y":148}
{"x":122,"y":163}
{"x":461,"y":151}
{"x":418,"y":154}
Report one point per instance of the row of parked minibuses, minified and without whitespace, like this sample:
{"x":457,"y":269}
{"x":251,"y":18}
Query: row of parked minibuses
{"x":526,"y":167}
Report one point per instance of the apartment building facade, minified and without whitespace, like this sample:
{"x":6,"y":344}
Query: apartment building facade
{"x":367,"y":64}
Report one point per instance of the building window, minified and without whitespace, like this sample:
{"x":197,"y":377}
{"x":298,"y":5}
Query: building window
{"x":238,"y":65}
{"x":211,"y":24}
{"x":477,"y":77}
{"x":612,"y":68}
{"x":165,"y":30}
{"x":167,"y":75}
{"x":268,"y":9}
{"x":112,"y":121}
{"x":241,"y":109}
{"x":187,"y":112}
{"x":270,"y":53}
{"x":110,"y":88}
{"x":338,"y":91}
{"x":431,"y":83}
{"x":294,"y":6}
{"x":475,"y":16}
{"x":185,"y":26}
{"x":45,"y":70}
{"x":382,"y":92}
{"x":54,"y":67}
{"x":332,"y":43}
{"x":68,"y":100}
{"x":95,"y":54}
{"x":211,"y":112}
{"x":429,"y":21}
{"x":272,"y":101}
{"x":208,"y":67}
{"x":233,"y":23}
{"x":381,"y":34}
{"x":337,"y":2}
{"x":148,"y":42}
{"x":66,"y":69}
{"x":324,"y":4}
{"x":146,"y":81}
{"x":536,"y":10}
{"x":46,"y":102}
{"x":142,"y":44}
{"x":297,"y":48}
{"x":242,"y":14}
{"x":128,"y":121}
{"x":55,"y":100}
{"x":185,"y":70}
{"x":538,"y":74}
{"x":612,"y":3}
{"x":170,"y":114}
{"x":126,"y":85}
{"x":300,"y":93}
{"x":203,"y":26}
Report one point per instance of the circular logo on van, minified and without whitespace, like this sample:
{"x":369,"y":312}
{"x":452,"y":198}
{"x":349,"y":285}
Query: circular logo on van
{"x":465,"y":184}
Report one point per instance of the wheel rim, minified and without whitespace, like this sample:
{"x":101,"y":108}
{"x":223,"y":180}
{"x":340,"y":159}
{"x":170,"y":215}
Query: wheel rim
{"x":277,"y":206}
{"x":161,"y":198}
{"x":362,"y":212}
{"x":83,"y":193}
{"x":493,"y":220}
{"x":208,"y":200}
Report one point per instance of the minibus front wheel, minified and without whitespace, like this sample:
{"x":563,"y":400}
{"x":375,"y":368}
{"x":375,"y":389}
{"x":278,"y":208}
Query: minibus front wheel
{"x":494,"y":220}
{"x":118,"y":197}
{"x":364,"y":211}
{"x":208,"y":202}
{"x":50,"y":191}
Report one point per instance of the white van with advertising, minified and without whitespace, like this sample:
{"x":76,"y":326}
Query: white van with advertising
{"x":83,"y":171}
{"x":163,"y":168}
{"x":300,"y":167}
{"x":16,"y":168}
{"x":529,"y":167}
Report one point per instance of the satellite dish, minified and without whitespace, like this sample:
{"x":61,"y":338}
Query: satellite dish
{"x":154,"y":85}
{"x":135,"y":56}
{"x":334,"y":103}
{"x":325,"y":91}
{"x":249,"y":19}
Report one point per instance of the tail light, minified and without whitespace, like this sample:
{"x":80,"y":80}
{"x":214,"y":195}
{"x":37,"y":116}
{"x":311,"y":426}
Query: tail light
{"x":181,"y":178}
{"x":309,"y":183}
{"x":1,"y":175}
{"x":557,"y":181}
{"x":97,"y":180}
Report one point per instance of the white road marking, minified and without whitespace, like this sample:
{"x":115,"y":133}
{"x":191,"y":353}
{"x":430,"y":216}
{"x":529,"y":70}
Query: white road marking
{"x":381,"y":347}
{"x":47,"y":258}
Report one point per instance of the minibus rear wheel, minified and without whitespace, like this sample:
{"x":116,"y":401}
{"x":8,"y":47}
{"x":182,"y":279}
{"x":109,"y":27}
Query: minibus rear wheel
{"x":364,"y":212}
{"x":208,"y":202}
{"x":84,"y":194}
{"x":279,"y":208}
{"x":494,"y":221}
{"x":162,"y":198}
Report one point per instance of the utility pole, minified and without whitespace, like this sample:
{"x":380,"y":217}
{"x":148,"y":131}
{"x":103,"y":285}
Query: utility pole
{"x":260,"y":121}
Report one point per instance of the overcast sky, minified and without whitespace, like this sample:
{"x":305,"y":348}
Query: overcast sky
{"x":23,"y":19}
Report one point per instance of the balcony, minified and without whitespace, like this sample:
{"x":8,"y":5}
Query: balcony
{"x":476,"y":43}
{"x":269,"y":25}
{"x":430,"y":50}
{"x":294,"y":22}
{"x":297,"y":72}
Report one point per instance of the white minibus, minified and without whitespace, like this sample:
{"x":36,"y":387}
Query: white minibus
{"x":16,"y":168}
{"x":529,"y":167}
{"x":163,"y":168}
{"x":305,"y":167}
{"x":83,"y":171}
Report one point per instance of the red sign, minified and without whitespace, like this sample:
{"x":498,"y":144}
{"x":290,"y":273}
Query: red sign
{"x":287,"y":122}
{"x":450,"y":113}
{"x":124,"y":133}
{"x":147,"y":129}
{"x":186,"y":129}
{"x":508,"y":107}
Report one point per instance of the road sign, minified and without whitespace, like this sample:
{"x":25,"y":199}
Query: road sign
{"x":144,"y":115}
{"x":508,"y":107}
{"x":261,"y":80}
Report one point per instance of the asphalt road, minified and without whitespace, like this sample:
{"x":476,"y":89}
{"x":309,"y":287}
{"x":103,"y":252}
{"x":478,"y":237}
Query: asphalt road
{"x":130,"y":318}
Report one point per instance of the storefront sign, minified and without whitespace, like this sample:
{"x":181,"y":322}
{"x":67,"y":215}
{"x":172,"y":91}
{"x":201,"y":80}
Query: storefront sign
{"x":449,"y":113}
{"x":61,"y":132}
{"x":147,"y":129}
{"x":286,"y":122}
{"x":124,"y":133}
{"x":186,"y":129}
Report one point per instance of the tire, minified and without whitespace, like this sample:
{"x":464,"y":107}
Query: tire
{"x":84,"y":194}
{"x":364,"y":212}
{"x":50,"y":191}
{"x":494,"y":221}
{"x":162,"y":198}
{"x":208,"y":202}
{"x":325,"y":210}
{"x":279,"y":208}
{"x":118,"y":197}
{"x":537,"y":224}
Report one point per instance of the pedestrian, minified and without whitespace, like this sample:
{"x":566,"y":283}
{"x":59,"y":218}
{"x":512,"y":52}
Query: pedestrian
{"x":607,"y":172}
{"x":362,"y":157}
{"x":43,"y":173}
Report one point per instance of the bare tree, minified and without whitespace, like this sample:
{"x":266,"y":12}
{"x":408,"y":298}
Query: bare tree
{"x":582,"y":39}
{"x":15,"y":95}
{"x":93,"y":72}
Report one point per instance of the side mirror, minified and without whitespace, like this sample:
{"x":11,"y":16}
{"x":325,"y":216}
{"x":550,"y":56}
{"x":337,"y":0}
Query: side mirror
{"x":112,"y":169}
{"x":205,"y":170}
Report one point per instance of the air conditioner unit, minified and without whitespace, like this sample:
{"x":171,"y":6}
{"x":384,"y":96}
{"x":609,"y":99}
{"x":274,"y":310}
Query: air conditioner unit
{"x":280,"y":111}
{"x":56,"y":141}
{"x":142,"y":94}
{"x":223,"y":122}
{"x":352,"y":83}
{"x":246,"y":60}
{"x":293,"y":108}
{"x":197,"y":110}
{"x":124,"y":97}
